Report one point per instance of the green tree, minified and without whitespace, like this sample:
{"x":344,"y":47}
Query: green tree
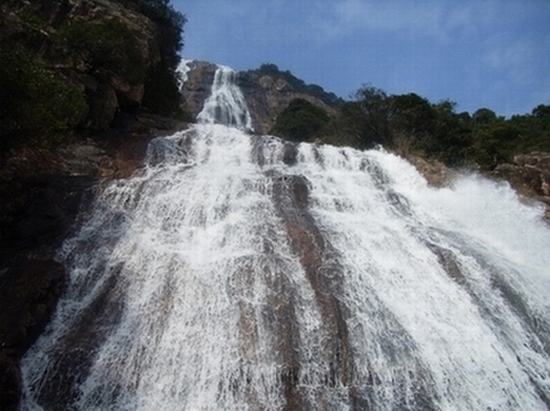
{"x":494,"y":143}
{"x":300,"y":121}
{"x":483,"y":117}
{"x":373,"y":106}
{"x":411,"y":121}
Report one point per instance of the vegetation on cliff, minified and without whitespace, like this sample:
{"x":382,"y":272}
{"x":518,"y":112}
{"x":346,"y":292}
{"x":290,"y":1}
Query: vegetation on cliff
{"x":410,"y":124}
{"x":64,"y":66}
{"x":161,"y":93}
{"x":299,"y":85}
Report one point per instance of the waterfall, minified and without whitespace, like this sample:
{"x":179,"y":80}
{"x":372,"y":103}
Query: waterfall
{"x":241,"y":272}
{"x":226,"y":105}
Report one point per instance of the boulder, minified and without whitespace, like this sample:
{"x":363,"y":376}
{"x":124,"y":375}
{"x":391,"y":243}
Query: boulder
{"x":435,"y":172}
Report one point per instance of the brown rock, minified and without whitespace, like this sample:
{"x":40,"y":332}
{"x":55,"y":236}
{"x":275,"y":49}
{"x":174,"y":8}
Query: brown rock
{"x":529,"y":175}
{"x":198,"y":86}
{"x":267,"y":97}
{"x":435,"y":172}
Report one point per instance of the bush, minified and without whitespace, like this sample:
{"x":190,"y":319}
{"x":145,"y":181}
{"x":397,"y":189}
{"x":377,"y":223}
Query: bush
{"x":300,"y":121}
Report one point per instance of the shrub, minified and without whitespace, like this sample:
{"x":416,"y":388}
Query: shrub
{"x":300,"y":121}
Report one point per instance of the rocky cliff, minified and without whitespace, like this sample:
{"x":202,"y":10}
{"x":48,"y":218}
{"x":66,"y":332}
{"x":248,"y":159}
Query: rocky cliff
{"x":266,"y":95}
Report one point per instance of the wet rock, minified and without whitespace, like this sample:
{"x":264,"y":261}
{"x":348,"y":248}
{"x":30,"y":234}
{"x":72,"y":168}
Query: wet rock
{"x":86,"y":160}
{"x":435,"y":172}
{"x":320,"y":263}
{"x":198,"y":86}
{"x":37,"y":214}
{"x":29,"y":290}
{"x":290,"y":153}
{"x":529,"y":175}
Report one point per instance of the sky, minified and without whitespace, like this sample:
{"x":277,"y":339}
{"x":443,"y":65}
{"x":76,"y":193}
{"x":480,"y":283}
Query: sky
{"x":478,"y":53}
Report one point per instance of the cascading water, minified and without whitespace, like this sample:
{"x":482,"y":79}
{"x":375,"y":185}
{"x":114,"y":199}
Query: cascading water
{"x":226,"y":105}
{"x":239,"y":272}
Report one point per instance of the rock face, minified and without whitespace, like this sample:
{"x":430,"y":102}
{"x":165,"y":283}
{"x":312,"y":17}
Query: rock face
{"x":42,"y":198}
{"x":265,"y":95}
{"x":196,"y":89}
{"x":435,"y":172}
{"x":37,"y":214}
{"x":107,"y":91}
{"x":529,"y":175}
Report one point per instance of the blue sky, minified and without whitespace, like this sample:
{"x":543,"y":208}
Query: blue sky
{"x":482,"y":53}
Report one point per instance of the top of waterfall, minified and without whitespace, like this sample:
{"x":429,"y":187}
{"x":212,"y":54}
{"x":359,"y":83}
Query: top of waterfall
{"x":226,"y":104}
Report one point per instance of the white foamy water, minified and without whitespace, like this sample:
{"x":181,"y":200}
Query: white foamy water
{"x":226,"y":105}
{"x":238,"y":272}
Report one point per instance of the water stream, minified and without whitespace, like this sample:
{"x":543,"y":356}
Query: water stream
{"x":240,"y":272}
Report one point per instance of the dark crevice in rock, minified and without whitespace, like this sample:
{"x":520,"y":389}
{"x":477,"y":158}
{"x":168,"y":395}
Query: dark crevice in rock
{"x":318,"y":261}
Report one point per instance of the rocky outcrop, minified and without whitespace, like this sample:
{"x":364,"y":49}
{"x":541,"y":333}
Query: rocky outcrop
{"x":267,"y":96}
{"x":198,"y":85}
{"x":435,"y":172}
{"x":529,"y":174}
{"x":38,"y":212}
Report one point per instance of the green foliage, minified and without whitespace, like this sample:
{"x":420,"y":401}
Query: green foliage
{"x":367,"y":117}
{"x":170,"y":25}
{"x":533,"y":129}
{"x":34,"y":100}
{"x":300,"y":86}
{"x":300,"y":121}
{"x":39,"y":101}
{"x":161,"y":85}
{"x":409,"y":123}
{"x":103,"y":48}
{"x":494,"y":143}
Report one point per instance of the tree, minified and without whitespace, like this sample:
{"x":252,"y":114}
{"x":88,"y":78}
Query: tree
{"x":300,"y":121}
{"x":373,"y":105}
{"x":411,"y":121}
{"x":483,"y":117}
